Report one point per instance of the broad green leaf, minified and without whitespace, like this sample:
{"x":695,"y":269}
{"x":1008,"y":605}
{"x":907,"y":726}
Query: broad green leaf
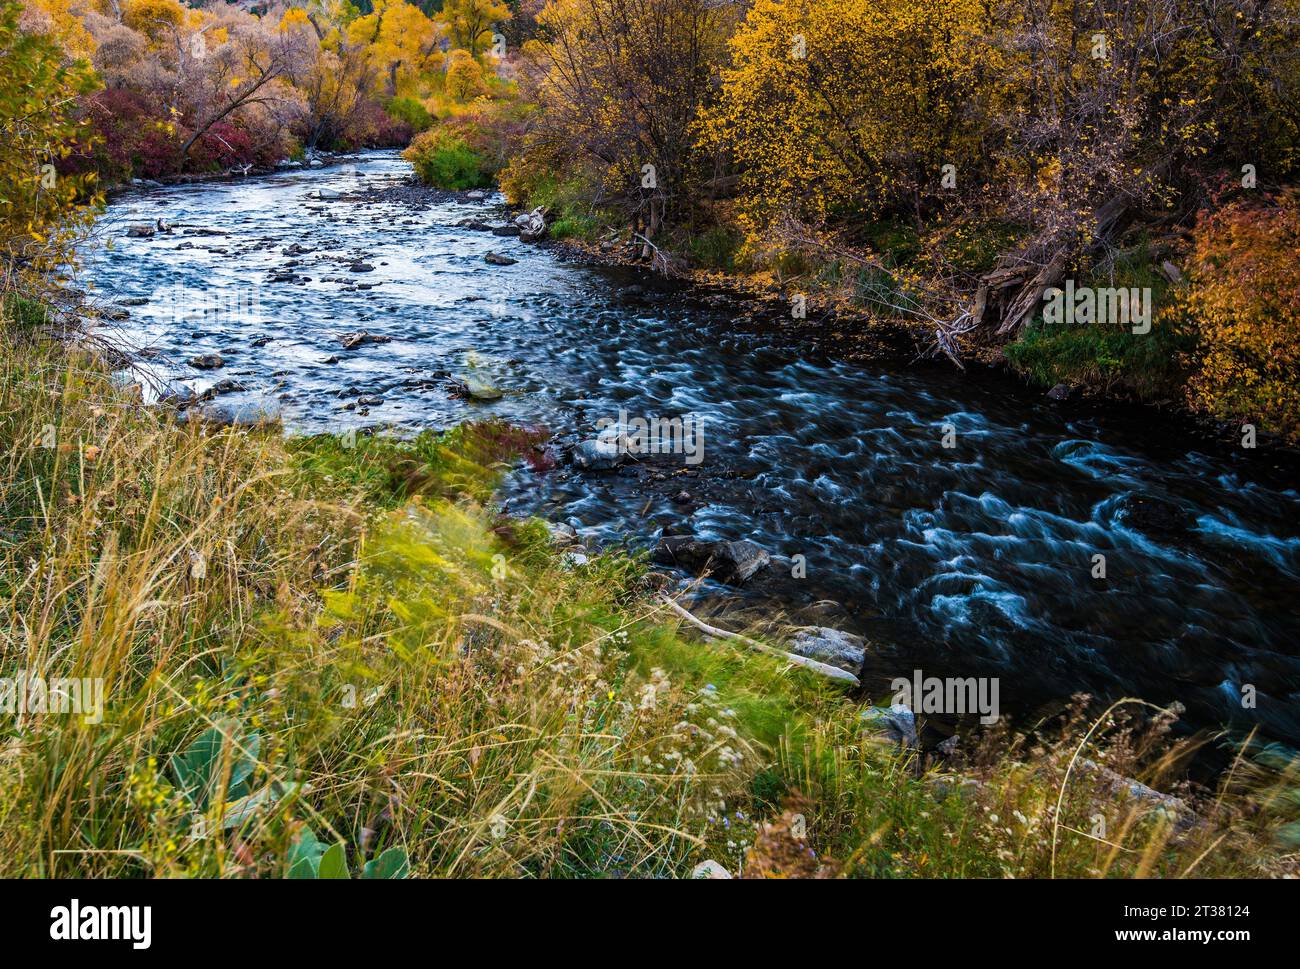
{"x":305,"y":855}
{"x":334,"y":863}
{"x":390,"y":864}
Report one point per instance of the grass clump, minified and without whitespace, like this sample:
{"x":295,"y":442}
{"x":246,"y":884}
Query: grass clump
{"x":1107,"y":355}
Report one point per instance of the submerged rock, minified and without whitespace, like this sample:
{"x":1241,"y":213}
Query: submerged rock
{"x":731,"y":562}
{"x":248,"y":414}
{"x":471,"y":388}
{"x":207,"y":361}
{"x":358,"y":338}
{"x":496,"y":259}
{"x":226,"y":385}
{"x":1155,"y":517}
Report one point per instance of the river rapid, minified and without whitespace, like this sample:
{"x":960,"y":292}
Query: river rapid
{"x":976,"y":558}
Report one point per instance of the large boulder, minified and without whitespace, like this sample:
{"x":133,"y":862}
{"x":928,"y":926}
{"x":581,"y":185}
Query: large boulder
{"x":731,"y":562}
{"x":532,"y":226}
{"x":830,"y":646}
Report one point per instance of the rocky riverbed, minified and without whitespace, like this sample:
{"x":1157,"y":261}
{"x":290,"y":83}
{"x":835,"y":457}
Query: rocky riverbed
{"x":953,"y":521}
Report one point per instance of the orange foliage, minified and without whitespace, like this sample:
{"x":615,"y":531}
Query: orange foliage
{"x":1245,"y":302}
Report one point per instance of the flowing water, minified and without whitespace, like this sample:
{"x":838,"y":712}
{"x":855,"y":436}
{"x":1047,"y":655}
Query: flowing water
{"x":974,"y":559}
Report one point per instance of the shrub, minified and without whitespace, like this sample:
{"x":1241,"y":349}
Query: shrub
{"x":716,"y":248}
{"x":410,"y":112}
{"x":41,"y":212}
{"x":443,"y":158}
{"x":373,"y":126}
{"x":1244,"y":301}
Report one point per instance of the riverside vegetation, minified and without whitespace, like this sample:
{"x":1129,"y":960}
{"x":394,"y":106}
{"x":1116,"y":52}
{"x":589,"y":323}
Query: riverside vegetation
{"x":330,"y":657}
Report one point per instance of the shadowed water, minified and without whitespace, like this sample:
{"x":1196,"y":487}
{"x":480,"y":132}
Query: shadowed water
{"x":974,"y":559}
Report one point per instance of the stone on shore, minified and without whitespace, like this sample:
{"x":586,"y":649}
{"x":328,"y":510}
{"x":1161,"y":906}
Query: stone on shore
{"x":831,"y":646}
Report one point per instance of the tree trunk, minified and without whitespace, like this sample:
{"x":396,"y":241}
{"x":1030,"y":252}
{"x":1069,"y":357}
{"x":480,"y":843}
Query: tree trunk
{"x":1009,"y":295}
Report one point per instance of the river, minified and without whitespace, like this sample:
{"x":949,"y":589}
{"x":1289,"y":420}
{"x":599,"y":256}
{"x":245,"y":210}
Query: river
{"x":972,"y":559}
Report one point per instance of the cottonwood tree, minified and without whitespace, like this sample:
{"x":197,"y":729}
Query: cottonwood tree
{"x":402,"y":44}
{"x":469,"y":23}
{"x":238,"y":71}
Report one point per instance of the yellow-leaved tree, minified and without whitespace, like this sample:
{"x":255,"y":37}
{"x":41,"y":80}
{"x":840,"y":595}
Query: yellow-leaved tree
{"x":41,"y":210}
{"x":469,"y":23}
{"x":849,"y":106}
{"x":401,"y":43}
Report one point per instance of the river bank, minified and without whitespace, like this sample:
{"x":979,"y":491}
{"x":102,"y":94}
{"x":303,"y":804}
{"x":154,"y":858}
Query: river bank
{"x":372,"y":581}
{"x":352,"y":301}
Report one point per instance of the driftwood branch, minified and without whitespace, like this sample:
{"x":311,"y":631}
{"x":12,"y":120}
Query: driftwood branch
{"x":825,"y":669}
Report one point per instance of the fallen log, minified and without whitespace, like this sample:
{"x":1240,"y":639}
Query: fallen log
{"x":825,"y":669}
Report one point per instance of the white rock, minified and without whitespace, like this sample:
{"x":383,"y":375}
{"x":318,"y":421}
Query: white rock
{"x":831,"y":646}
{"x":709,"y":869}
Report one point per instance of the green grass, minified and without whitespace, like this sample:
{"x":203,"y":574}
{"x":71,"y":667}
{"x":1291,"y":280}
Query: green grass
{"x":23,"y":314}
{"x":1111,"y":357}
{"x":567,"y":200}
{"x":715,"y":248}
